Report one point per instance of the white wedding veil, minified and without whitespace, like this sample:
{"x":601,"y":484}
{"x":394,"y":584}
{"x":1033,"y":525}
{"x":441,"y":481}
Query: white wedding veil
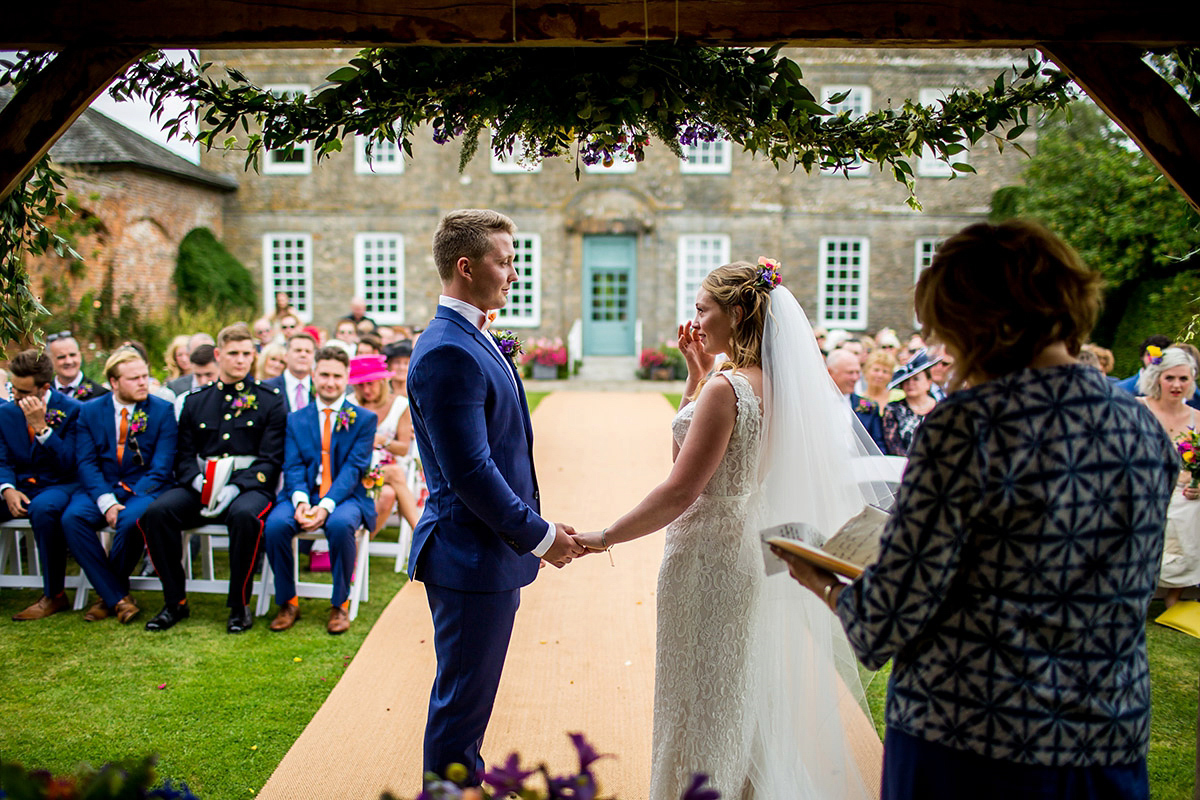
{"x":820,"y":467}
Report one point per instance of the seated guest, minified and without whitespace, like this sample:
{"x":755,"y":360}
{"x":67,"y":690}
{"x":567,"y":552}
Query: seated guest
{"x":204,"y":372}
{"x":1013,"y":579}
{"x":369,"y":344}
{"x":126,"y":454}
{"x":1156,"y":341}
{"x":1104,"y":356}
{"x":178,"y":363}
{"x":902,"y":418}
{"x":877,"y":373}
{"x":939,"y":373}
{"x":37,"y":469}
{"x":4,"y":398}
{"x":295,"y":384}
{"x":235,"y":417}
{"x":328,"y":451}
{"x":398,"y":355}
{"x":394,"y":445}
{"x":264,"y":333}
{"x":288,"y":324}
{"x":844,"y":369}
{"x":272,"y":361}
{"x":68,"y":368}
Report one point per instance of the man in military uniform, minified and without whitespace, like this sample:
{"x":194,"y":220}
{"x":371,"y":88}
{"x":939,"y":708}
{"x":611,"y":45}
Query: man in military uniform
{"x":238,"y":418}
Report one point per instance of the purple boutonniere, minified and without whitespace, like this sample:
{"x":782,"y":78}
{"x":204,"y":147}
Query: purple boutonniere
{"x":137,"y":423}
{"x":865,"y":406}
{"x":55,"y":417}
{"x":245,"y":401}
{"x":508,"y":343}
{"x":345,"y":418}
{"x":79,"y":392}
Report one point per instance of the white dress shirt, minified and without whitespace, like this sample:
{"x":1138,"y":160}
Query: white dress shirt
{"x":107,"y":500}
{"x":299,"y":497}
{"x":477,"y":317}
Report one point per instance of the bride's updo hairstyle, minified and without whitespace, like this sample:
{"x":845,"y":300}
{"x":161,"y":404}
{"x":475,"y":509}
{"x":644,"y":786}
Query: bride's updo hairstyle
{"x":741,"y":293}
{"x":997,"y":295}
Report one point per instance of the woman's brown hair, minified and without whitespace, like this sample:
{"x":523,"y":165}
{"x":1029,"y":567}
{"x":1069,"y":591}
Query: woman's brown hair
{"x":997,"y":295}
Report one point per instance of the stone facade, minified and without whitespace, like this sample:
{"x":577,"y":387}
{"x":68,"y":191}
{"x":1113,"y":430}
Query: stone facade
{"x":755,"y":209}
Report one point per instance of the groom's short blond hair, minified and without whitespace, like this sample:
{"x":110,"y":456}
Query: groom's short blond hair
{"x":466,"y":232}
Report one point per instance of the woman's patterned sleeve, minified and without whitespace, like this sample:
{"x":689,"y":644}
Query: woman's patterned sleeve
{"x":890,"y":604}
{"x":891,"y":432}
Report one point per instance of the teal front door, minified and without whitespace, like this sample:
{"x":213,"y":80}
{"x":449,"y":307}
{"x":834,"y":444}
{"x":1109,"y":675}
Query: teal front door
{"x":609,"y":295}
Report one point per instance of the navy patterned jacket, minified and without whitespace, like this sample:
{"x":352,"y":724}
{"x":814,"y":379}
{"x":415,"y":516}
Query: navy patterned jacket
{"x":1015,"y":574}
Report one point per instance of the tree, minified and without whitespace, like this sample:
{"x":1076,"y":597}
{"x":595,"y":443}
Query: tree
{"x":1111,"y":204}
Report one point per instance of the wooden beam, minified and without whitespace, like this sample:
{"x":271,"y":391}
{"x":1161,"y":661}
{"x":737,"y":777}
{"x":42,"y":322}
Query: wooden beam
{"x":1143,"y":103}
{"x":55,"y":24}
{"x":46,"y":106}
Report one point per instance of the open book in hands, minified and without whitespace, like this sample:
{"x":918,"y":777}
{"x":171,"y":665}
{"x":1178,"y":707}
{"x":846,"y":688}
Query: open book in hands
{"x":848,"y":552}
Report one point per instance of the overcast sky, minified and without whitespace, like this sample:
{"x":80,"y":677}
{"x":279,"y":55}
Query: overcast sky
{"x":136,"y":115}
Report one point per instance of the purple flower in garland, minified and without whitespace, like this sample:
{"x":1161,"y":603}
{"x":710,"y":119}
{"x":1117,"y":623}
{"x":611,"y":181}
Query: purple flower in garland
{"x":508,"y":343}
{"x":55,"y":417}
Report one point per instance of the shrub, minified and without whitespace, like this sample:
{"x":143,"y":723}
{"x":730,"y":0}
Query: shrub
{"x":208,"y":276}
{"x":1159,"y":305}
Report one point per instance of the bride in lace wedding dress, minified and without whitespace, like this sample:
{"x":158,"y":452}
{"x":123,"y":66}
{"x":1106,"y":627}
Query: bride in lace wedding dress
{"x":752,"y":681}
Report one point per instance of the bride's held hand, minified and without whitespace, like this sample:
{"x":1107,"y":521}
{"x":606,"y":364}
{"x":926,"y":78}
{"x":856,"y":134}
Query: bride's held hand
{"x":590,"y":540}
{"x":699,"y":363}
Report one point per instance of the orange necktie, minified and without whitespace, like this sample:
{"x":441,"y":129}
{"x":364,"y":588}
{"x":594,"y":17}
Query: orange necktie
{"x":122,"y":432}
{"x":326,"y":459}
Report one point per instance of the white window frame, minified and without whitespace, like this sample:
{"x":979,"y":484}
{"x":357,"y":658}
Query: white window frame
{"x":367,"y":165}
{"x":511,"y":164}
{"x":302,"y":302}
{"x":688,"y":264}
{"x":365,"y":286}
{"x":858,"y":102}
{"x":928,"y":165}
{"x":302,"y":167}
{"x":826,"y":313}
{"x":923,"y":250}
{"x":694,"y":162}
{"x":528,"y":264}
{"x":619,"y":167}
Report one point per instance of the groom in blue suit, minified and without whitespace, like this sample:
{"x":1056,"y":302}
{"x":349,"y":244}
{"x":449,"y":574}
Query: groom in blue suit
{"x":481,"y":537}
{"x":326,"y":454}
{"x":126,"y":457}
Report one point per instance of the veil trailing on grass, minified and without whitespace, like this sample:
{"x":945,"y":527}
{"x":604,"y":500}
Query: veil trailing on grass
{"x":816,"y":468}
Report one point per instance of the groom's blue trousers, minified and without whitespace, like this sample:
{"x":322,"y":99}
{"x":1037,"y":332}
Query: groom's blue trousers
{"x":471,"y":635}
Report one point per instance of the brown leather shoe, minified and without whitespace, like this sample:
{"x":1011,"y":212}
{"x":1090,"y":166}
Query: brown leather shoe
{"x":97,"y":612}
{"x":126,"y":610}
{"x":339,"y":620}
{"x":286,"y":618}
{"x":44,"y":607}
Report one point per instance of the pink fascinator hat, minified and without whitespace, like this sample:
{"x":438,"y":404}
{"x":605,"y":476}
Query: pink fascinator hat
{"x":364,"y":369}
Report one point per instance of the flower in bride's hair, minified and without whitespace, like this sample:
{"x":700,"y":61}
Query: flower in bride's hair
{"x":768,"y":276}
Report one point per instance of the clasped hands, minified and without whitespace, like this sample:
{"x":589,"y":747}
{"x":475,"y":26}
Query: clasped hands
{"x":569,"y":544}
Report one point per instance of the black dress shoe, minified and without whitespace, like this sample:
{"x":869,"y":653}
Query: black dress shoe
{"x":240,"y":620}
{"x":168,"y":617}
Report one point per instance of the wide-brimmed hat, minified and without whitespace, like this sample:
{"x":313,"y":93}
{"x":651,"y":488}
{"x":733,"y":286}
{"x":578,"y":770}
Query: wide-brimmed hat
{"x":364,"y":369}
{"x":919,"y":362}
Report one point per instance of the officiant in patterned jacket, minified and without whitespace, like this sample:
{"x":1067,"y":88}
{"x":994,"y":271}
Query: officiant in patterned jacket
{"x":237,"y":417}
{"x":1015,"y":574}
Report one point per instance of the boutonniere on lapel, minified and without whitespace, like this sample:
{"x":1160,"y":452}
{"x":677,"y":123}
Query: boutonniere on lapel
{"x":137,"y":423}
{"x":345,"y":418}
{"x":79,"y":392}
{"x":246,"y":401}
{"x":865,"y":406}
{"x":508,"y":343}
{"x":55,"y":417}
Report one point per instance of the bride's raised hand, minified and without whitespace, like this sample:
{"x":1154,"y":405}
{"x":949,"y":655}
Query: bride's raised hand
{"x":699,"y":363}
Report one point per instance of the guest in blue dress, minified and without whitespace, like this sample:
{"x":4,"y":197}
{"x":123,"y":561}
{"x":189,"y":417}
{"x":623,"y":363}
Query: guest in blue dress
{"x":1023,"y":551}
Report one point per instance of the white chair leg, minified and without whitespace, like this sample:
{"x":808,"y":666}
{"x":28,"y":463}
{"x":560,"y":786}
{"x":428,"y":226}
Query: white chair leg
{"x":362,"y":564}
{"x":265,"y":587}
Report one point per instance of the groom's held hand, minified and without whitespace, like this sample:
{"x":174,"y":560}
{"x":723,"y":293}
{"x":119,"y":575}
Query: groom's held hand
{"x":564,"y":548}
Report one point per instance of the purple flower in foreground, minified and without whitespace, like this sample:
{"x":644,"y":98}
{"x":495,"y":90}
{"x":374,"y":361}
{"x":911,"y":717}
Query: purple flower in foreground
{"x":509,"y":777}
{"x":698,"y":791}
{"x":587,"y":753}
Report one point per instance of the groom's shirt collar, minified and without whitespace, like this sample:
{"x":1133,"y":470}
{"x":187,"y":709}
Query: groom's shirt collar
{"x":469,"y":312}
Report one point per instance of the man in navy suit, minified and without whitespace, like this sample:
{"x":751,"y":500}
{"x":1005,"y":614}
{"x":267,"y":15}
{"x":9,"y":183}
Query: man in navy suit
{"x":845,"y":370}
{"x":326,"y":454}
{"x":126,"y":447}
{"x":69,"y":379}
{"x":37,"y":469}
{"x":295,"y":384}
{"x":481,"y":537}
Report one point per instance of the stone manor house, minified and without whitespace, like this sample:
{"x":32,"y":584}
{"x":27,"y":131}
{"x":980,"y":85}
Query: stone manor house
{"x":611,"y":261}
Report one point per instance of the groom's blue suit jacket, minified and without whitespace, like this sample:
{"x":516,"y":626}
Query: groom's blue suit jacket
{"x":476,"y":444}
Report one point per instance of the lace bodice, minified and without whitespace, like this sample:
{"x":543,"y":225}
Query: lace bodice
{"x":737,"y":474}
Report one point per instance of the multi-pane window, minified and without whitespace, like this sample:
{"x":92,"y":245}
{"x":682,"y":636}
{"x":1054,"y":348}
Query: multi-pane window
{"x":287,"y":267}
{"x":928,"y":166}
{"x":524,"y":308}
{"x":699,"y":254}
{"x":707,"y":157}
{"x":516,"y":162}
{"x":858,"y":102}
{"x":299,"y":160}
{"x":842,"y":281}
{"x":379,"y":275}
{"x":385,"y":157}
{"x":611,"y":297}
{"x":923,"y":251}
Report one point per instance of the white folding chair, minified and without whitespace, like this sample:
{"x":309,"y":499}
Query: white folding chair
{"x":358,"y":584}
